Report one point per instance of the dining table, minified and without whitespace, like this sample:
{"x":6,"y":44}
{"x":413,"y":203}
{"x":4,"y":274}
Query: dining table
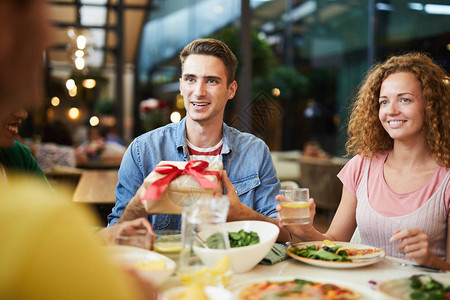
{"x":363,"y":279}
{"x":112,"y":163}
{"x":96,"y":188}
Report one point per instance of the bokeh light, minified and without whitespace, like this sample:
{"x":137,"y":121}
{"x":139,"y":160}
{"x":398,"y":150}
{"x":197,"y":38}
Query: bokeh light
{"x":79,"y":63}
{"x":70,"y":84}
{"x":81,"y":42}
{"x":175,"y":117}
{"x":180,"y":102}
{"x":94,"y":121}
{"x":79,"y":53}
{"x":89,"y":83}
{"x":276,"y":92}
{"x":73,"y":92}
{"x":55,"y":101}
{"x":73,"y":113}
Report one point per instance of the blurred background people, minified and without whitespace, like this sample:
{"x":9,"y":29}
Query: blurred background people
{"x":112,"y":135}
{"x":56,"y":147}
{"x":99,"y":148}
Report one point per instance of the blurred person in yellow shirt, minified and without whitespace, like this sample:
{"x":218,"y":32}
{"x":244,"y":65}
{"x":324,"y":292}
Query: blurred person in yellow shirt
{"x":48,"y":250}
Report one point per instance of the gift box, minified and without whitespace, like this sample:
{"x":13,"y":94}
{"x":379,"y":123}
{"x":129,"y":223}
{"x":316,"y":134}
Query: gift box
{"x":172,"y":185}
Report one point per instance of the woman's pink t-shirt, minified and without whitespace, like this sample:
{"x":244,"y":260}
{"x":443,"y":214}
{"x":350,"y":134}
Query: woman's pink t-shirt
{"x":381,"y":197}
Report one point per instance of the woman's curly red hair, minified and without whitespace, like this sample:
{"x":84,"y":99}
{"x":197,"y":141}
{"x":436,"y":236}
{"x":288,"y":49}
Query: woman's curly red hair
{"x":366,"y":134}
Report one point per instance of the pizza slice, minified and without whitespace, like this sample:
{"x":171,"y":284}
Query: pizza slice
{"x":297,"y":289}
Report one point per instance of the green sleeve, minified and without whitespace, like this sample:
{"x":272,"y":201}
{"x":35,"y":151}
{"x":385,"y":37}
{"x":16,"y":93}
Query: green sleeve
{"x":19,"y":160}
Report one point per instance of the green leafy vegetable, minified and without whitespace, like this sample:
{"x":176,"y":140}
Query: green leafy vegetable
{"x":237,"y":239}
{"x":321,"y":253}
{"x":426,"y":287}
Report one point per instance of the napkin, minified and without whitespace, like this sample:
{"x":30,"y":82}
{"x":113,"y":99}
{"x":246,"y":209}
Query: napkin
{"x":275,"y":255}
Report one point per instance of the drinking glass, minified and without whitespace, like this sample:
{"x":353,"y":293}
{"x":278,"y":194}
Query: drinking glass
{"x":140,"y":238}
{"x":168,"y":243}
{"x":295,"y":210}
{"x":203,"y":224}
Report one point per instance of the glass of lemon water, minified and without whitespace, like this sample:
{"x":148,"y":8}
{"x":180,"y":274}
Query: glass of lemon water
{"x":168,"y":242}
{"x":295,"y":207}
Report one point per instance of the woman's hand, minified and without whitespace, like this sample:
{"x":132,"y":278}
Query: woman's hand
{"x":298,"y":230}
{"x":414,"y":243}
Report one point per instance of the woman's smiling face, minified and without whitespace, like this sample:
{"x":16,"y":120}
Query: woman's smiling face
{"x":9,"y":127}
{"x":402,"y":106}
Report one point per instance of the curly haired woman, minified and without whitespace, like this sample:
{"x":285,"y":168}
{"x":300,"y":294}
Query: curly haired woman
{"x":396,"y":187}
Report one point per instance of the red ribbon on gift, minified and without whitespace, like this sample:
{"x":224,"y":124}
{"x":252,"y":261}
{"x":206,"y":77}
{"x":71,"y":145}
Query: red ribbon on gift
{"x":194,"y":168}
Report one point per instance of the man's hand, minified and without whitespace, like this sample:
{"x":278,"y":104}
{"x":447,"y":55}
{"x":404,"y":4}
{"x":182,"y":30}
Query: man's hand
{"x":237,"y":210}
{"x":108,"y":233}
{"x":240,"y":212}
{"x":135,"y":209}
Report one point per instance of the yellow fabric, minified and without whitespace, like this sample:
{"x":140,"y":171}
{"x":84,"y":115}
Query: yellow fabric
{"x":47,"y":250}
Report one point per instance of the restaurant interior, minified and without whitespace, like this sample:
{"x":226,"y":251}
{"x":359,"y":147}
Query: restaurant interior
{"x":112,"y":73}
{"x":114,"y":64}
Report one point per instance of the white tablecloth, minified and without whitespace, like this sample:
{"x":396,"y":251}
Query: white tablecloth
{"x":355,"y":278}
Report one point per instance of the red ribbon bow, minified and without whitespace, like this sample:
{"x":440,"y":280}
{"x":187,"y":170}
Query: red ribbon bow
{"x":194,"y":168}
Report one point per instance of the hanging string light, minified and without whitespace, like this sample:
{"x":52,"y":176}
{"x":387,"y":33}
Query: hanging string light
{"x":79,"y":48}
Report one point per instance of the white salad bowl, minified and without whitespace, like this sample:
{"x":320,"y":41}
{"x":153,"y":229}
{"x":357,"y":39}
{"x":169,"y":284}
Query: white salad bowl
{"x":245,"y":258}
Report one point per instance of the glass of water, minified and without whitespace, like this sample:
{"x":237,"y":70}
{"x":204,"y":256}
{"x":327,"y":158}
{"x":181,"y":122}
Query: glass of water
{"x":295,"y":209}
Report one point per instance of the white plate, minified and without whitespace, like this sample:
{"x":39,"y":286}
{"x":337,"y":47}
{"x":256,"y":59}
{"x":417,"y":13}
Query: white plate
{"x":336,"y":264}
{"x":399,"y":288}
{"x":366,"y":292}
{"x":131,"y":255}
{"x":216,"y":293}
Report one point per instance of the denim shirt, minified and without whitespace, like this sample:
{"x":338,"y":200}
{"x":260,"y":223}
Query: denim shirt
{"x":245,"y":157}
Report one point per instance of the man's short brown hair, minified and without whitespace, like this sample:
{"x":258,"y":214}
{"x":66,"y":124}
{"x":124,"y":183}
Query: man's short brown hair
{"x":215,"y":48}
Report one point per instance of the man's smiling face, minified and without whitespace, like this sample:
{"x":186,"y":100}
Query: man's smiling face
{"x":204,"y":88}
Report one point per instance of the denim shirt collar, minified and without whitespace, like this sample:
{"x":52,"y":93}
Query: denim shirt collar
{"x":180,"y":138}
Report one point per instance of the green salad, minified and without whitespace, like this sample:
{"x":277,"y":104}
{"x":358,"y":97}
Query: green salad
{"x":330,"y":253}
{"x":237,"y":239}
{"x":424,"y":287}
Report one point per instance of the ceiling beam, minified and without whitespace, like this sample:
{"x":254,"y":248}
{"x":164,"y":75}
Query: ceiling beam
{"x":64,"y":47}
{"x":76,"y":25}
{"x":107,"y":5}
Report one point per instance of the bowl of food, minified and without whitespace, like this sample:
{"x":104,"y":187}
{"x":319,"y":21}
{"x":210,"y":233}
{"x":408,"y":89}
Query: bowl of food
{"x":250,"y":242}
{"x":154,"y":266}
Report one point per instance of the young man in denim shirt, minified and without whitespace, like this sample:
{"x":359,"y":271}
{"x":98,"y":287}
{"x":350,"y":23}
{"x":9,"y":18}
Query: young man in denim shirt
{"x":249,"y":179}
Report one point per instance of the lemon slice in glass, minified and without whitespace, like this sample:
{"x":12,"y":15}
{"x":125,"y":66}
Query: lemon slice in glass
{"x":167,"y":247}
{"x":294,"y":205}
